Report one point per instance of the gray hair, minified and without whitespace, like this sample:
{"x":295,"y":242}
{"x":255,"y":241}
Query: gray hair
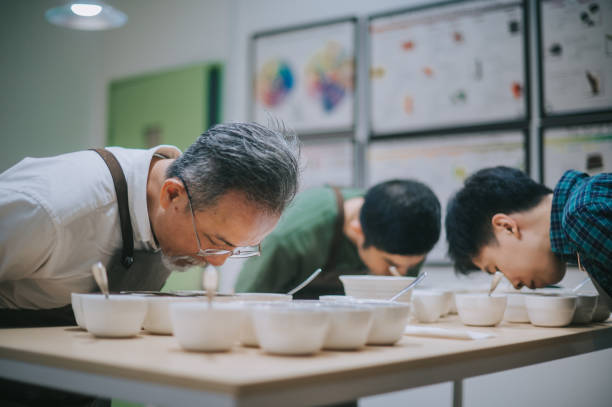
{"x":261,"y":162}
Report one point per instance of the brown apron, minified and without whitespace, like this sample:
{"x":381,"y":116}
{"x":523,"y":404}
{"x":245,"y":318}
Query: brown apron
{"x":328,"y":282}
{"x":127,"y":270}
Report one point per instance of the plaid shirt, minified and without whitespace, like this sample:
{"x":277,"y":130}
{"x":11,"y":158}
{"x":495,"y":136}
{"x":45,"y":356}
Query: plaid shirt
{"x":581,"y":222}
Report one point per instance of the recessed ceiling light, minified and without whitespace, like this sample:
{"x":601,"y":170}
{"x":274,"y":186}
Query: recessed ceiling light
{"x":86,"y":15}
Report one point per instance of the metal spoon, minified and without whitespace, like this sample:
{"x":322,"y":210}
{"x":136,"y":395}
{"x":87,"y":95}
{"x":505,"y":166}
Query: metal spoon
{"x":305,"y":282}
{"x":99,"y":272}
{"x":411,"y":285}
{"x":495,"y":281}
{"x":393,"y":271}
{"x":211,"y":282}
{"x":583,"y":282}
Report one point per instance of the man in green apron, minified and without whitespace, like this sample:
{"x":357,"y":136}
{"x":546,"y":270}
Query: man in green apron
{"x":344,"y":231}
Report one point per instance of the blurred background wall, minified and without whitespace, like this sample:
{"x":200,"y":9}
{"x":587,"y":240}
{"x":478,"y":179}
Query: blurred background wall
{"x":54,"y":97}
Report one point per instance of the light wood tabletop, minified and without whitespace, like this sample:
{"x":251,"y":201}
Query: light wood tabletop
{"x":250,"y":374}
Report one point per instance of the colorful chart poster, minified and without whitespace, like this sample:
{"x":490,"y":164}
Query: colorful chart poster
{"x":327,"y":162}
{"x":443,"y":163}
{"x":305,"y":77}
{"x":445,"y":66}
{"x":576,"y":53}
{"x":583,"y":148}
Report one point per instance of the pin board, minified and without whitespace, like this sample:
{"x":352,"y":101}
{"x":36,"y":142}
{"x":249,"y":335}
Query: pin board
{"x":586,"y":148}
{"x":305,"y":76}
{"x":444,"y":162}
{"x":576,"y":53}
{"x":448,"y":65}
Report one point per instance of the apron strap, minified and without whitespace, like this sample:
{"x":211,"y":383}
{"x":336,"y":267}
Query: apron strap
{"x":121,"y":189}
{"x":338,"y":229}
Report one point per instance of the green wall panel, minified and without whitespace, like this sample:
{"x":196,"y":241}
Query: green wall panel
{"x":172,"y":107}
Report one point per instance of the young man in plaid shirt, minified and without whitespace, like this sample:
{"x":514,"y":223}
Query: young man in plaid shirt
{"x":503,"y":220}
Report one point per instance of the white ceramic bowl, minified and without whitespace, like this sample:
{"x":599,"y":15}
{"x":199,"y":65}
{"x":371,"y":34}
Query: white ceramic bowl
{"x":262,"y":297}
{"x":114,"y":317}
{"x":200,"y":327}
{"x":516,"y":311}
{"x":158,"y":319}
{"x":390,"y":319}
{"x":429,"y":305}
{"x":335,"y":298}
{"x":297,"y":329}
{"x":453,"y":303}
{"x":550,"y":310}
{"x":349,"y":325}
{"x":248,"y":336}
{"x":376,"y":287}
{"x":77,"y":308}
{"x":585,"y":307}
{"x":480,"y":309}
{"x":602,"y":312}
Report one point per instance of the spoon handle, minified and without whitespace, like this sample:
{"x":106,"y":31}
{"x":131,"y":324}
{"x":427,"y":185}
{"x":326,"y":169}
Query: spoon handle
{"x":411,"y":285}
{"x":305,"y":282}
{"x":495,"y":281}
{"x":583,"y":282}
{"x":99,"y":272}
{"x":211,"y":282}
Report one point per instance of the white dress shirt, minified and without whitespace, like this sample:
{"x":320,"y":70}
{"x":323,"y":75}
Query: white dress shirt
{"x":59,"y":215}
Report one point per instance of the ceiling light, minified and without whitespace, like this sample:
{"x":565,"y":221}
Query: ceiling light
{"x":86,"y":15}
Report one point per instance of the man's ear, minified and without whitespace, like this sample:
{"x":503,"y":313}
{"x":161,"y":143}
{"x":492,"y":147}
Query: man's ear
{"x":505,"y":225}
{"x":356,"y":231}
{"x":171,"y":191}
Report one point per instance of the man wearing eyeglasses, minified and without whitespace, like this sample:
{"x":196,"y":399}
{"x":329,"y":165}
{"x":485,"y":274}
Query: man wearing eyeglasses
{"x":387,"y":231}
{"x":142,"y":213}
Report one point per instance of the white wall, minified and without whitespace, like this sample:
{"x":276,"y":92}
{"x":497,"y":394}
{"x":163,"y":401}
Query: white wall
{"x":53,"y":99}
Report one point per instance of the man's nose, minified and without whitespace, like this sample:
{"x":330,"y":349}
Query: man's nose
{"x":217,"y":260}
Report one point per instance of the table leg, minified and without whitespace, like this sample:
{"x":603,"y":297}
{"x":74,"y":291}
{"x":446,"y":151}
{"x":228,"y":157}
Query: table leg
{"x":458,"y":393}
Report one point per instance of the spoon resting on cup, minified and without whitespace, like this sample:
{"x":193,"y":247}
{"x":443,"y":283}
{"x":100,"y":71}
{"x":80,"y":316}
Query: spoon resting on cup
{"x":305,"y":282}
{"x":495,"y":282}
{"x":409,"y":286}
{"x":99,"y":272}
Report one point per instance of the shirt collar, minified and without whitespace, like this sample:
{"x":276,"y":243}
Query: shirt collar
{"x":136,"y":169}
{"x":562,"y":196}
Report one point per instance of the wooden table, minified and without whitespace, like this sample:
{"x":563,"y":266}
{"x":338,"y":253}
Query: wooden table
{"x":153,"y":369}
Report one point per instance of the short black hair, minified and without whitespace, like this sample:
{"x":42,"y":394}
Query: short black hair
{"x":484,"y":194}
{"x":401,"y":217}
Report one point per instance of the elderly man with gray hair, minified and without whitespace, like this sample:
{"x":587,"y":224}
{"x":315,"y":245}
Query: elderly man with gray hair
{"x":142,"y":213}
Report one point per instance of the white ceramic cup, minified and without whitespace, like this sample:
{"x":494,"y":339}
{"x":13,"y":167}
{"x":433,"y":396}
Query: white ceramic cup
{"x":480,"y":309}
{"x":602,"y":311}
{"x":516,"y":311}
{"x":376,"y":287}
{"x":77,"y":308}
{"x":199,"y":326}
{"x":390,"y":319}
{"x":157,"y":320}
{"x":428,"y":305}
{"x":550,"y":310}
{"x":298,"y":329}
{"x":349,"y":325}
{"x":585,"y":307}
{"x":113,"y":317}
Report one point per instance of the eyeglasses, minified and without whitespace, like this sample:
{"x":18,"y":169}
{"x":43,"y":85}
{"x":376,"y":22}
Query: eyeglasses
{"x":238,"y":252}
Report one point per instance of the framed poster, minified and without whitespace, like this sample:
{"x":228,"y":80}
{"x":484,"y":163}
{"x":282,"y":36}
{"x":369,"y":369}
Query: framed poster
{"x":448,"y":65}
{"x":305,"y":76}
{"x":327,"y":161}
{"x":586,"y":148}
{"x":443,"y":163}
{"x":576,"y":53}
